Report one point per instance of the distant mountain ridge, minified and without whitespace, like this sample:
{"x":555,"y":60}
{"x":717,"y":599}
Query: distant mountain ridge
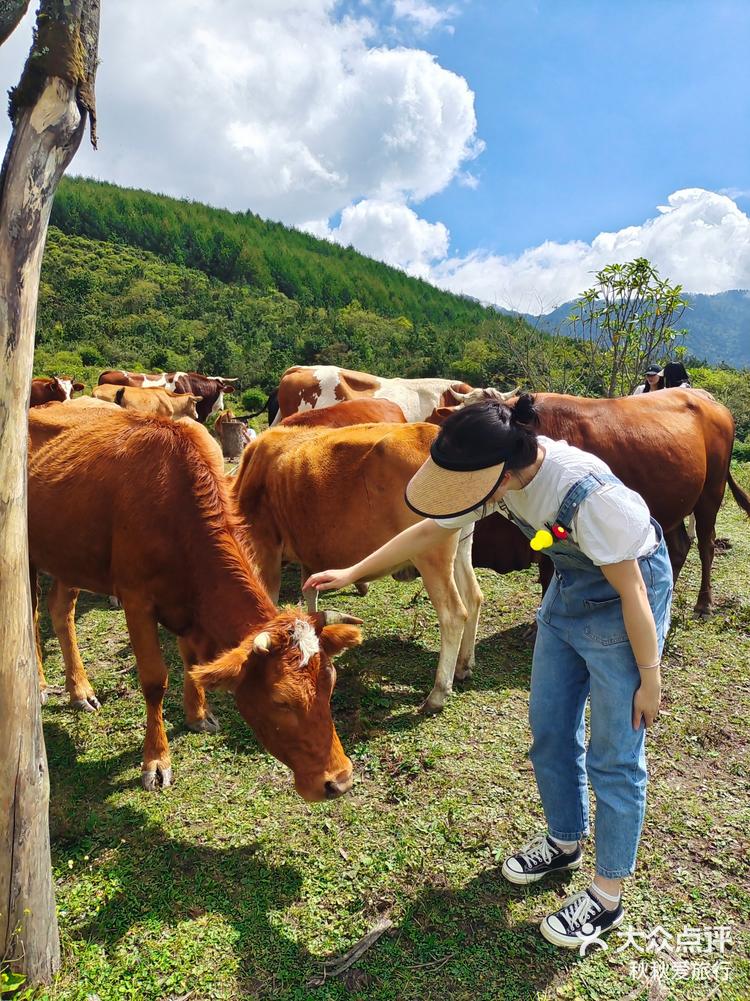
{"x":718,"y":326}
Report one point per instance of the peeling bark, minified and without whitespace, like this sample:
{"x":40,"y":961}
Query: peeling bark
{"x":11,"y":13}
{"x":46,"y":134}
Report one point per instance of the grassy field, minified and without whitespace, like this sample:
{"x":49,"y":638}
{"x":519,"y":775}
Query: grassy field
{"x":229,"y":886}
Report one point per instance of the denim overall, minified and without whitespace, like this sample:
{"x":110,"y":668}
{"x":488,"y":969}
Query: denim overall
{"x":582,"y":651}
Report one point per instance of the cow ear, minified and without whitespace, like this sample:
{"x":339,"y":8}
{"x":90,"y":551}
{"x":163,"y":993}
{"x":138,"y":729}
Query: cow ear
{"x":78,"y":387}
{"x":335,"y":639}
{"x":439,"y":414}
{"x":224,"y":672}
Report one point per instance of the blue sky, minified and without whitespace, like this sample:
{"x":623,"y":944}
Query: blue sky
{"x":501,"y":149}
{"x":593,"y":112}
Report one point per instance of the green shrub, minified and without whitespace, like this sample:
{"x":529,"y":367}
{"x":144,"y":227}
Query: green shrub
{"x":741,"y":451}
{"x":253,"y":399}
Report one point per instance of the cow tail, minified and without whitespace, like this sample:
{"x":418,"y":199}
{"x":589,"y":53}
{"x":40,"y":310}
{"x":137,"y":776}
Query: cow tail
{"x":742,"y":498}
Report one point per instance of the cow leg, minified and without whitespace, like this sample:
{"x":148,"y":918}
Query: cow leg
{"x":62,"y":608}
{"x":436,"y":568}
{"x":198,"y":715}
{"x":156,"y":770}
{"x":678,"y":542}
{"x":311,"y":594}
{"x":472,"y":597}
{"x":34,"y":581}
{"x":268,"y":562}
{"x":705,"y":523}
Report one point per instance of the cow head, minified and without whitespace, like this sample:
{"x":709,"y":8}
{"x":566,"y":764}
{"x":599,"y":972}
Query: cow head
{"x":282,"y":679}
{"x":461,"y":400}
{"x":191,"y":406}
{"x":62,"y":387}
{"x":227,"y":385}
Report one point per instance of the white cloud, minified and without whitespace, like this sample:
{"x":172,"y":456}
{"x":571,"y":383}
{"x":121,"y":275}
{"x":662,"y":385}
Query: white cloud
{"x":280,"y":106}
{"x":425,"y":16}
{"x":390,"y":232}
{"x":700,"y":239}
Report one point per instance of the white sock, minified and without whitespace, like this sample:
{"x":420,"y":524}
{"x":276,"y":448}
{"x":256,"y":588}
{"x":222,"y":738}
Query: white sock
{"x":607,"y":898}
{"x":566,"y":846}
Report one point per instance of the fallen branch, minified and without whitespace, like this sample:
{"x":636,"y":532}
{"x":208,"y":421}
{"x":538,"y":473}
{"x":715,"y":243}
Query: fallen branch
{"x":337,"y":965}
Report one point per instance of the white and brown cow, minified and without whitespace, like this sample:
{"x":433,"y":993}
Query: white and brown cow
{"x":311,"y":387}
{"x":58,"y":389}
{"x":210,"y":387}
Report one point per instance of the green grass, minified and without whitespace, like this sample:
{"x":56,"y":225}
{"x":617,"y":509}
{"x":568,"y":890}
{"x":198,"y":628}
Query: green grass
{"x":229,"y":886}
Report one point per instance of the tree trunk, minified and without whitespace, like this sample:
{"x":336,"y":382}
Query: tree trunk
{"x":49,"y":109}
{"x":233,"y":436}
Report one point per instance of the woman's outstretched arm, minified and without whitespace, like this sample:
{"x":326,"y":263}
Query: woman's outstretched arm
{"x":401,"y":548}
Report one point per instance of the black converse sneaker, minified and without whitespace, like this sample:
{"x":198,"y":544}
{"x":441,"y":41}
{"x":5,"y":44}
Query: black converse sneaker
{"x":539,"y":857}
{"x":580,"y":922}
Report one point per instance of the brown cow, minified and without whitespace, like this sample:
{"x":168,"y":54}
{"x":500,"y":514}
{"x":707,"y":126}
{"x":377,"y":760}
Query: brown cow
{"x":210,"y":388}
{"x":137,"y":506}
{"x":347,"y":413}
{"x":312,"y":387}
{"x":328,"y":497}
{"x":57,"y":389}
{"x":673,"y":448}
{"x":153,"y":401}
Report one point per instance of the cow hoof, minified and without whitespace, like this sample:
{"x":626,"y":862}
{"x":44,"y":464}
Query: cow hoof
{"x":702,"y":613}
{"x":43,"y":697}
{"x":155,"y":779}
{"x":530,"y":632}
{"x":209,"y":724}
{"x":430,"y":708}
{"x":87,"y":705}
{"x":466,"y":675}
{"x":362,"y":588}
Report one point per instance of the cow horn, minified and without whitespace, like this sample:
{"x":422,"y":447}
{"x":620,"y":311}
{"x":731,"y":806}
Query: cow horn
{"x":456,"y":395}
{"x":332,"y":617}
{"x":262,"y":643}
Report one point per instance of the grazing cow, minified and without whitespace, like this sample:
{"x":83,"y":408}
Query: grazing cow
{"x":347,"y":413}
{"x":673,"y":448}
{"x":137,"y":507}
{"x":210,"y":388}
{"x":155,"y":401}
{"x":328,"y":497}
{"x":57,"y":389}
{"x":306,"y":387}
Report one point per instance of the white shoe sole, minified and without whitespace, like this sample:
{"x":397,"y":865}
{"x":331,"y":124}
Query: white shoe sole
{"x":521,"y":879}
{"x":568,"y":941}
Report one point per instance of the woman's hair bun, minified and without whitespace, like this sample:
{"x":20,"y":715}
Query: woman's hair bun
{"x":524,"y":411}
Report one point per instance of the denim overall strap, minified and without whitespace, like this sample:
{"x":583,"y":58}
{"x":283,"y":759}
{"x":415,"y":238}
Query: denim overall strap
{"x":565,"y":553}
{"x":578,"y":494}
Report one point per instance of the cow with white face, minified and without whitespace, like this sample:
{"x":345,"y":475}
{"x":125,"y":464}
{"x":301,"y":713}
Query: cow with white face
{"x":57,"y":389}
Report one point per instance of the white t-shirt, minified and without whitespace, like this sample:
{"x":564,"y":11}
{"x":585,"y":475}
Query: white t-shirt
{"x":613,"y":524}
{"x":638,"y":390}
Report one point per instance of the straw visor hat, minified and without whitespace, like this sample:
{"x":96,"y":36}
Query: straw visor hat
{"x":463,"y":471}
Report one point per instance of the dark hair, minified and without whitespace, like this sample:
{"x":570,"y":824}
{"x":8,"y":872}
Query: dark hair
{"x":675,"y":374}
{"x":487,"y":433}
{"x":647,"y":385}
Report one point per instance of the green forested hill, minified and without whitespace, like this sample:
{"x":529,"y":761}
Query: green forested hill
{"x":143,"y":281}
{"x":242,"y":248}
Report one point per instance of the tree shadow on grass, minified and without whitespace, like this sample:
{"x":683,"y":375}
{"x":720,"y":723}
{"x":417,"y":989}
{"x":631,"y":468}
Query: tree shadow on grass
{"x":462,"y":944}
{"x":152,"y":881}
{"x":171,"y":912}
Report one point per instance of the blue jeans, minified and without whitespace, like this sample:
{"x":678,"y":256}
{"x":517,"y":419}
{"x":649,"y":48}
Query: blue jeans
{"x":582,"y":651}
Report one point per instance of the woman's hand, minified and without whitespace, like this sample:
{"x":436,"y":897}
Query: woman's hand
{"x":329,"y":580}
{"x":647,"y":699}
